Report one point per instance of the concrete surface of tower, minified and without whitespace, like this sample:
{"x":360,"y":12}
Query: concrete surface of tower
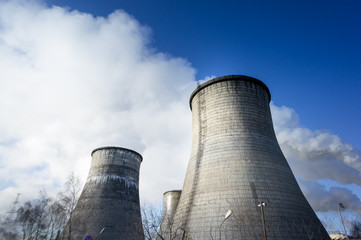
{"x":108,"y":208}
{"x":170,"y":203}
{"x":236,"y":163}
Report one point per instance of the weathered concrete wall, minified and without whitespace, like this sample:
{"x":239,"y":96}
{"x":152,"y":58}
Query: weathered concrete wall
{"x":110,"y":198}
{"x":236,"y":163}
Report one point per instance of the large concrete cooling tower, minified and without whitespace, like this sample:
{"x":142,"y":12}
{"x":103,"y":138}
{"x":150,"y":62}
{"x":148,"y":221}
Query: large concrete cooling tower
{"x":108,"y":208}
{"x":236,"y":163}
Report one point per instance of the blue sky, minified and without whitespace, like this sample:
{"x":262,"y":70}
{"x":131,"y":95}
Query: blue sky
{"x":78,"y":75}
{"x":307,"y":52}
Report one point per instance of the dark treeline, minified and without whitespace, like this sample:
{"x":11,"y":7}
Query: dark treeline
{"x":356,"y":229}
{"x":42,"y":218}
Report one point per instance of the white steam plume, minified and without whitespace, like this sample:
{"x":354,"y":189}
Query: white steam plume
{"x":322,"y":200}
{"x":317,"y":155}
{"x":71,"y":82}
{"x":304,"y":144}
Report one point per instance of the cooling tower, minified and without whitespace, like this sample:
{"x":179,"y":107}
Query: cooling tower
{"x":170,"y":203}
{"x":108,"y":208}
{"x":236,"y":163}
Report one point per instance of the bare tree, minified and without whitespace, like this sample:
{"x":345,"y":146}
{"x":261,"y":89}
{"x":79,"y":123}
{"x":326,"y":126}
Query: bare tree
{"x":151,"y":219}
{"x":56,"y":218}
{"x":8,"y":226}
{"x":8,"y":235}
{"x":8,"y":229}
{"x":356,"y":229}
{"x":42,"y":218}
{"x":32,"y":218}
{"x":331,"y":224}
{"x":69,"y":198}
{"x":156,"y":227}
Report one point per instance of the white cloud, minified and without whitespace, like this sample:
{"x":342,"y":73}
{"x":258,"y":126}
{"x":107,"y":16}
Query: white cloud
{"x":304,"y":144}
{"x":318,"y":155}
{"x":70,"y":83}
{"x":323,"y":200}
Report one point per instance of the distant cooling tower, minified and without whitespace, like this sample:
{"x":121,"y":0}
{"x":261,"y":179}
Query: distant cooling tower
{"x":108,"y":208}
{"x":236,"y":163}
{"x":170,"y":203}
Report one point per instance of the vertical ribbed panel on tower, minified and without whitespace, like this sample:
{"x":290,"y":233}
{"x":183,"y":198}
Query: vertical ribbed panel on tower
{"x":108,"y":207}
{"x":236,"y":163}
